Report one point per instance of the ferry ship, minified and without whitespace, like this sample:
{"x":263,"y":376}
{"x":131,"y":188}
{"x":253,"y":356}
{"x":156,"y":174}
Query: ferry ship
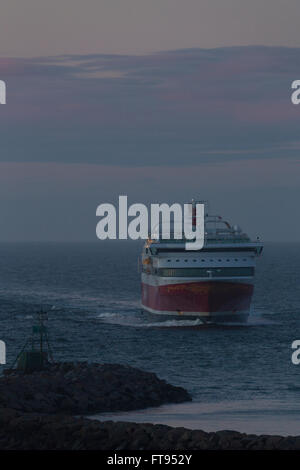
{"x":214,"y":284}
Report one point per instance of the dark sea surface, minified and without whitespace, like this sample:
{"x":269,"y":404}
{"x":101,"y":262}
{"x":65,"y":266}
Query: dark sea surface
{"x":237,"y":375}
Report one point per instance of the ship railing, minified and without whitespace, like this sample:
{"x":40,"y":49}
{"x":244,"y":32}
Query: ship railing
{"x":208,"y":240}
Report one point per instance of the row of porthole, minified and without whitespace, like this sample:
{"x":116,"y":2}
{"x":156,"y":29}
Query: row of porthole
{"x":204,"y":260}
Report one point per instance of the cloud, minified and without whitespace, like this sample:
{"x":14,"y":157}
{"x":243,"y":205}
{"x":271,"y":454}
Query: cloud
{"x":182,"y":107}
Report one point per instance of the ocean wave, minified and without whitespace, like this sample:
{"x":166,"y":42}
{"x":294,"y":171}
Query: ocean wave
{"x":137,"y":321}
{"x":175,"y":323}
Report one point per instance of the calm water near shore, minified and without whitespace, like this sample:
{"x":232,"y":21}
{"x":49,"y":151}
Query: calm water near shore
{"x":250,"y":416}
{"x":240,"y":377}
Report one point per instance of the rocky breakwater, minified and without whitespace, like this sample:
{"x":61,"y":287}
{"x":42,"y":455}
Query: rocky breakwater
{"x":36,"y":412}
{"x":32,"y":431}
{"x":83,"y":388}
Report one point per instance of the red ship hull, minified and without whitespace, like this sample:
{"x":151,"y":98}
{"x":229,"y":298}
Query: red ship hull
{"x":211,"y":299}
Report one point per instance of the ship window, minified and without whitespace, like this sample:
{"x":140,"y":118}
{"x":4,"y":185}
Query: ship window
{"x":203,"y":272}
{"x":220,"y":260}
{"x":194,"y":260}
{"x":185,"y":260}
{"x":228,"y":260}
{"x":177,"y":261}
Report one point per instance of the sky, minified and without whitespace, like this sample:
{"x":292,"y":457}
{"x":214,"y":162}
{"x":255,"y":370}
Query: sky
{"x":162,"y":101}
{"x":37,"y":28}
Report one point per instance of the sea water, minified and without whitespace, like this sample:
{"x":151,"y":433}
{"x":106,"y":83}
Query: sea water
{"x":240,"y":376}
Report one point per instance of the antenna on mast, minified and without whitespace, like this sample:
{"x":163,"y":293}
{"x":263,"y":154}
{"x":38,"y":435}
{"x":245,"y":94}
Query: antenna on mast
{"x":36,"y":352}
